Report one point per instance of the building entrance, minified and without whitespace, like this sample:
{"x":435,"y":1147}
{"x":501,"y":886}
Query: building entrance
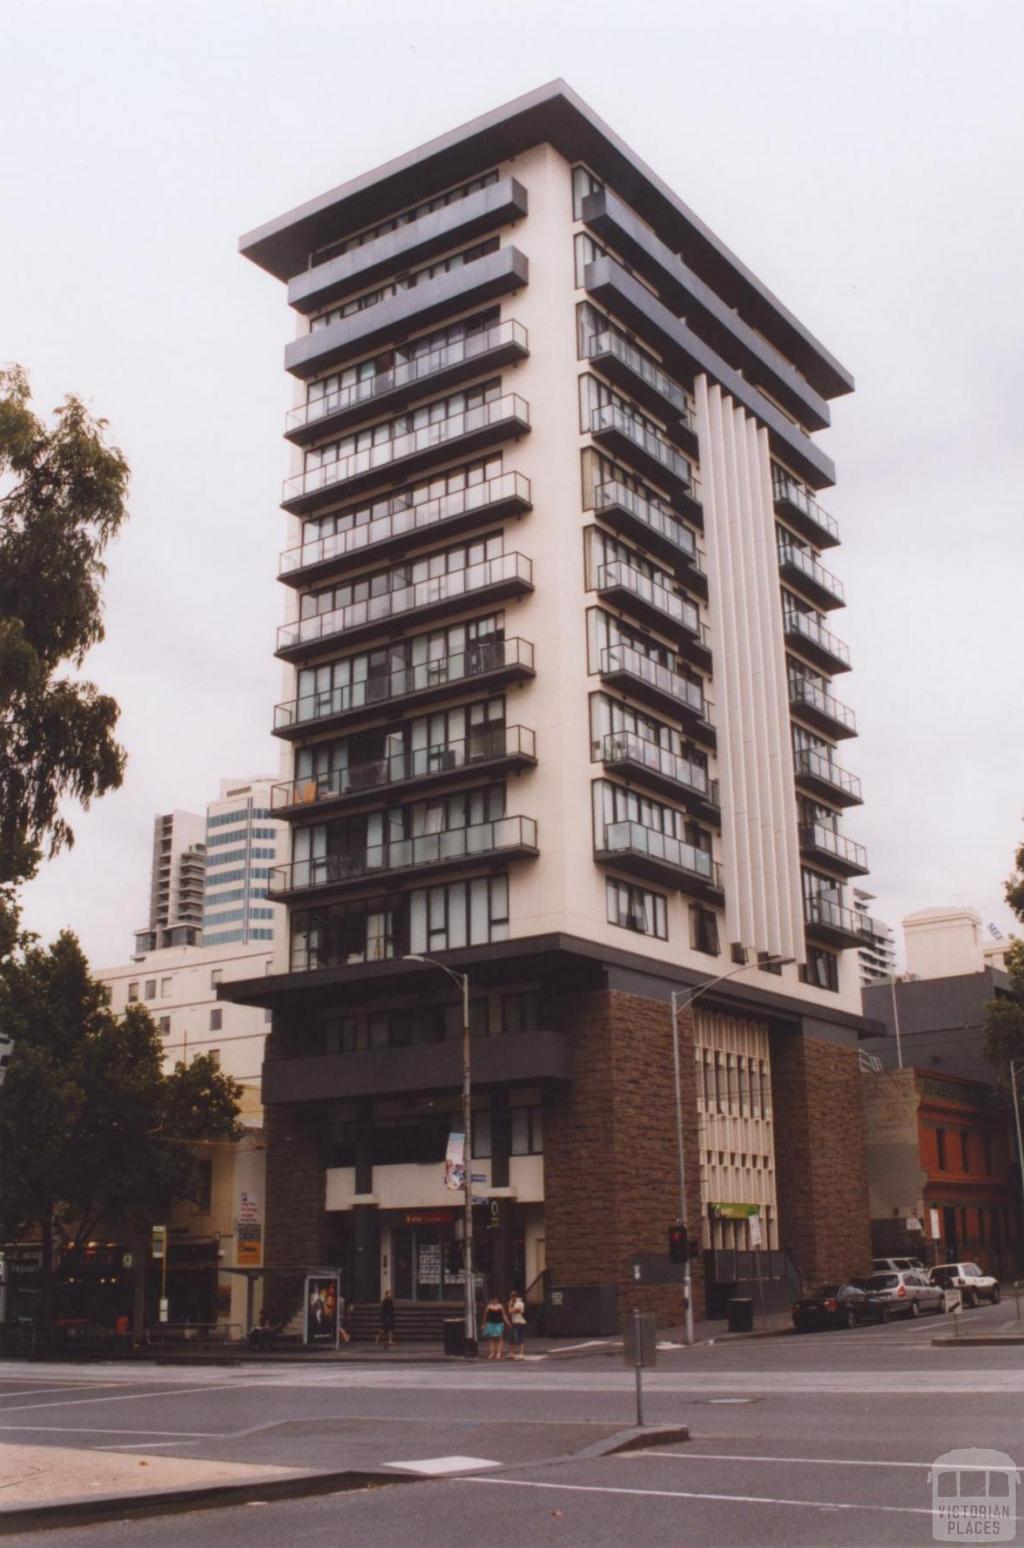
{"x":420,"y":1269}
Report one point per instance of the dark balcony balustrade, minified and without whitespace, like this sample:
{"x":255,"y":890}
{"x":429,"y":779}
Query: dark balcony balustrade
{"x":506,"y":575}
{"x":830,"y":922}
{"x":404,"y":455}
{"x":820,"y":709}
{"x":498,"y":749}
{"x":649,"y":524}
{"x":401,"y":525}
{"x":802,"y":571}
{"x":636,"y":593}
{"x":660,"y":857}
{"x":412,"y":242}
{"x":654,"y":684}
{"x":453,"y":849}
{"x":816,"y":773}
{"x":489,"y":663}
{"x":633,"y":756}
{"x":833,"y":849}
{"x":631,"y":370}
{"x":813,"y":640}
{"x":445,"y":367}
{"x":397,"y":316}
{"x":627,"y":437}
{"x":804,"y":513}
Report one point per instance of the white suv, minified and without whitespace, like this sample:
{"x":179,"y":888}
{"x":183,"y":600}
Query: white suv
{"x":973,"y":1285}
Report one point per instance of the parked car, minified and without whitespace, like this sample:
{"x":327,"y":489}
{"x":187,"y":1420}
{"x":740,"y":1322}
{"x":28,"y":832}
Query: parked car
{"x":833,"y":1306}
{"x":902,"y":1293}
{"x":887,"y":1265}
{"x":973,"y":1285}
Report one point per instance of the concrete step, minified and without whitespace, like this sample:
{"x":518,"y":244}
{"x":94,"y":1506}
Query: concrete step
{"x":415,"y":1322}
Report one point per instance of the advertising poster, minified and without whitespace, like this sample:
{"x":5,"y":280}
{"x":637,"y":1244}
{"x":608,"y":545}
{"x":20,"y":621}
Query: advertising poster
{"x":455,"y":1162}
{"x":321,"y":1309}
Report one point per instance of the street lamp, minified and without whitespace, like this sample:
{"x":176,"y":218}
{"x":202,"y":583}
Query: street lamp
{"x":682,"y":1001}
{"x":462,"y":979}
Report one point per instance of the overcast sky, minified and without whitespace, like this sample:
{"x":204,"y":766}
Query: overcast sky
{"x":864,"y":158}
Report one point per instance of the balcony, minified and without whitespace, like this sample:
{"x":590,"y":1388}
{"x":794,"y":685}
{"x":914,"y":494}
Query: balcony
{"x":432,"y":301}
{"x":800,"y":570}
{"x":389,"y":391}
{"x":493,"y":580}
{"x":403,"y":456}
{"x":400,"y":526}
{"x":393,"y":252}
{"x":645,"y":449}
{"x":638,"y":375}
{"x":659,"y":857}
{"x":434,"y":853}
{"x":818,"y":775}
{"x":831,"y":924}
{"x":805,"y":634}
{"x":489,"y":664}
{"x":635,"y":757}
{"x":656,"y":685}
{"x":638,"y":518}
{"x":503,"y":750}
{"x":821,"y":710}
{"x":637,"y":594}
{"x":833,"y":849}
{"x":796,"y":507}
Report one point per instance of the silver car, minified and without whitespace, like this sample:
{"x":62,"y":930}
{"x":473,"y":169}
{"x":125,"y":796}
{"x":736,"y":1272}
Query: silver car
{"x":902,"y":1293}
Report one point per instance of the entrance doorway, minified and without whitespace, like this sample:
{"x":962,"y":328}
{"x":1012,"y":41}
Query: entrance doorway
{"x":420,"y":1272}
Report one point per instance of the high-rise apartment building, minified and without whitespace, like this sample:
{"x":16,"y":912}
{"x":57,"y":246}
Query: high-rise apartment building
{"x":562,"y":714}
{"x":243,"y":841}
{"x":877,"y":952}
{"x":177,"y":876}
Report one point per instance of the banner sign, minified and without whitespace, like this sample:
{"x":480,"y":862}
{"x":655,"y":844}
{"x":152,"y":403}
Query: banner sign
{"x":733,"y":1211}
{"x":455,"y":1162}
{"x":248,"y":1232}
{"x":159,"y":1241}
{"x":321,"y":1321}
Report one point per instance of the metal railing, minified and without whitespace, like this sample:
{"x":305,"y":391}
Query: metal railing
{"x":805,"y":564}
{"x":416,"y":763}
{"x":610,"y":343}
{"x":408,"y":373}
{"x":789,"y":491}
{"x":816,"y":836}
{"x":624,"y":658}
{"x":622,"y":838}
{"x":822,"y":910}
{"x":617,"y":573}
{"x":802,"y":691}
{"x":614,"y":494}
{"x":426,"y":849}
{"x":813,"y":764}
{"x":628,"y":747}
{"x":371,"y":692}
{"x":608,"y":416}
{"x":382,"y":456}
{"x":808,"y":628}
{"x":400,"y":518}
{"x":407,"y":599}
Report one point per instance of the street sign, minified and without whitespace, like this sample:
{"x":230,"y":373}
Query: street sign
{"x":478,"y":1176}
{"x":159,"y":1241}
{"x":754,"y":1227}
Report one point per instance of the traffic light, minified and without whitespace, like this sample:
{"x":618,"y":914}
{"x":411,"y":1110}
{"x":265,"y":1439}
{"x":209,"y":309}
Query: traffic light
{"x":678,"y":1244}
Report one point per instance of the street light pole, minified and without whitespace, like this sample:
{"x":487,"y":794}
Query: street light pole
{"x":1014,"y":1064}
{"x":469,"y":1287}
{"x":681,"y":1001}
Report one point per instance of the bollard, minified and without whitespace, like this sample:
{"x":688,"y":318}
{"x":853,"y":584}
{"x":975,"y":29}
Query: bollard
{"x":639,"y":1358}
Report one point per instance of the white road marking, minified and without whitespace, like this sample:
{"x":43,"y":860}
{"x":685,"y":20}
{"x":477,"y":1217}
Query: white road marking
{"x":721,"y":1456}
{"x":690,"y":1494}
{"x":719,"y":1402}
{"x":433,"y":1467}
{"x":78,"y":1386}
{"x":104,"y":1429}
{"x":127,"y":1397}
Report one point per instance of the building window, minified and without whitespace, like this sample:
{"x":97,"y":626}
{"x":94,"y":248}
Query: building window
{"x":133,"y":994}
{"x":527,"y":1131}
{"x":965,"y":1150}
{"x":150,"y":993}
{"x":520,"y":1012}
{"x":268,"y":1016}
{"x":164,"y":1026}
{"x":704,"y":930}
{"x":165,"y":988}
{"x":216,"y":1019}
{"x":634,"y":908}
{"x":216,"y":977}
{"x":940,"y":1148}
{"x":821,"y":969}
{"x":213,"y":1054}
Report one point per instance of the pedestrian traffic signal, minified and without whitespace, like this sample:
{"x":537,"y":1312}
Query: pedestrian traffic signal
{"x":678,"y":1244}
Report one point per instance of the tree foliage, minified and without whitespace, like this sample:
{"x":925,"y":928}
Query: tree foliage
{"x":91,"y":1127}
{"x":1004,"y":1026}
{"x":62,"y":500}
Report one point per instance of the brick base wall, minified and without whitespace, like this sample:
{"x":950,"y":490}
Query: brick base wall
{"x":296,"y":1231}
{"x":611,"y":1170}
{"x":820,"y":1171}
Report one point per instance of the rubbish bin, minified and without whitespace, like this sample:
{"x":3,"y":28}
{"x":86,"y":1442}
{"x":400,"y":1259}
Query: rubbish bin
{"x":454,"y":1331}
{"x":741,"y":1315}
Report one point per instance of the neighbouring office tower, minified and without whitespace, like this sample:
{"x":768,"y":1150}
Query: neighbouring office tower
{"x":877,"y":952}
{"x":243,"y":840}
{"x":176,"y":883}
{"x":560,"y":712}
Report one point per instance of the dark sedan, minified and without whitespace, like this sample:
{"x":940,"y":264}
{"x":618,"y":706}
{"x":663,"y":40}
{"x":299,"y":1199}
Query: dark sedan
{"x":833,"y":1306}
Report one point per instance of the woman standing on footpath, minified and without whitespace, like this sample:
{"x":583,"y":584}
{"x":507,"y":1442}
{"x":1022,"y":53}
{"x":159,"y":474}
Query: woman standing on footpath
{"x":495,"y":1323}
{"x":516,"y":1315}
